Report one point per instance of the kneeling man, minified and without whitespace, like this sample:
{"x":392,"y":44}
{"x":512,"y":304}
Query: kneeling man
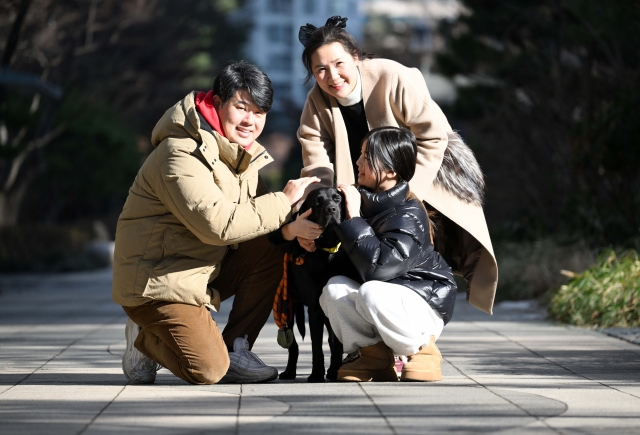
{"x":193,"y":233}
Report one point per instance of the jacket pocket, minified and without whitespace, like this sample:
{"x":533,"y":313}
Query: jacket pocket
{"x":186,"y":267}
{"x":179,"y":279}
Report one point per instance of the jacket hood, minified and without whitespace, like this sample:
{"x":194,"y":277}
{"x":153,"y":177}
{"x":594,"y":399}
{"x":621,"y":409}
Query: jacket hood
{"x":179,"y":121}
{"x":183,"y":121}
{"x":374,"y":203}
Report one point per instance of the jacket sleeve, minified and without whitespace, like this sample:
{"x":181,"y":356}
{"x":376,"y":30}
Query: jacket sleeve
{"x":413,"y":104}
{"x":387,"y":255}
{"x":189,"y":192}
{"x":316,"y":138}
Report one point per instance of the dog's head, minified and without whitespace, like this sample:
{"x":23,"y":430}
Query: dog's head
{"x":327,"y":210}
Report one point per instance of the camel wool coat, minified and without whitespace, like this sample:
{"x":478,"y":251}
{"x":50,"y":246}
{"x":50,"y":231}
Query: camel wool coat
{"x":395,"y":95}
{"x":196,"y":196}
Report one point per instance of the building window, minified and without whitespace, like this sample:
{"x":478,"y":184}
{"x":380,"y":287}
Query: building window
{"x":279,"y":5}
{"x":281,"y":91}
{"x":338,"y":7}
{"x":309,"y":6}
{"x":279,"y":33}
{"x":280,"y":62}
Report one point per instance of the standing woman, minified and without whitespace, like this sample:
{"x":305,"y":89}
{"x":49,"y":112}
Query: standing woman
{"x":354,"y":94}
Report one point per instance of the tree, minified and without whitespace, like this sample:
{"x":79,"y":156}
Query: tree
{"x":133,"y":57}
{"x":549,"y":95}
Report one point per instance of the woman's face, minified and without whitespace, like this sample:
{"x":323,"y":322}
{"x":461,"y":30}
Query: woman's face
{"x":335,"y":69}
{"x":366,"y":176}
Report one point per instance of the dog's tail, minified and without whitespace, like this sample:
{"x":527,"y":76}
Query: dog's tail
{"x":298,"y":314}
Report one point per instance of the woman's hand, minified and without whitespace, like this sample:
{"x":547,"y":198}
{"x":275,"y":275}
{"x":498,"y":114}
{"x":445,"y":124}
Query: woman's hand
{"x":295,"y":188}
{"x":352,"y":200}
{"x":302,"y":228}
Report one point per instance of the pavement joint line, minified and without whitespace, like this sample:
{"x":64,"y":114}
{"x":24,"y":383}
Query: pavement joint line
{"x":238,"y":411}
{"x":93,"y":331}
{"x":95,"y":417}
{"x":375,"y":405}
{"x":538,"y":418}
{"x":553,"y":362}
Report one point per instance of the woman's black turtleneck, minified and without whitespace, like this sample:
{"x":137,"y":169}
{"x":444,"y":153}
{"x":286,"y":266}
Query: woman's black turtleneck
{"x":356,"y":122}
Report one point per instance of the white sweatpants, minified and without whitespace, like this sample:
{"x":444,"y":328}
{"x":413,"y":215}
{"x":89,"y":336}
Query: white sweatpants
{"x":363,"y":315}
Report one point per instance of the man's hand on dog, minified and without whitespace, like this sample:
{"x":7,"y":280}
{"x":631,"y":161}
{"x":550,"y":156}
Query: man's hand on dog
{"x":295,"y":188}
{"x":307,"y":244}
{"x":303,"y":229}
{"x":352,"y":199}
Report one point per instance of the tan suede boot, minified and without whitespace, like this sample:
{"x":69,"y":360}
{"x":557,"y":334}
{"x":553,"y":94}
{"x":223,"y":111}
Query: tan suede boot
{"x":424,"y":365}
{"x":376,"y":364}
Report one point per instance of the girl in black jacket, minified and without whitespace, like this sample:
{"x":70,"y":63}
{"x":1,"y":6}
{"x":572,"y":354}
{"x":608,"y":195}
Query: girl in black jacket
{"x":409,"y":291}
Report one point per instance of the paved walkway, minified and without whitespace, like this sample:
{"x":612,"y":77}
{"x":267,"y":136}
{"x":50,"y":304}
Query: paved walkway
{"x":61,"y":341}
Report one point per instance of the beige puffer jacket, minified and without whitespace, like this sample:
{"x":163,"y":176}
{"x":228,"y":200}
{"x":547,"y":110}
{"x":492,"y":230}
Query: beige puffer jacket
{"x":195,"y":196}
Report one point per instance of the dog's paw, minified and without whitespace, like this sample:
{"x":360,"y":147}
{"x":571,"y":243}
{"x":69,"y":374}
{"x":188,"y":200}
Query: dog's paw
{"x":316,"y":378}
{"x":287,"y":376}
{"x":332,"y":374}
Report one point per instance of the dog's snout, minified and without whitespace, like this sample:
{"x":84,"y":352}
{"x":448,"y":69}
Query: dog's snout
{"x":331,"y":209}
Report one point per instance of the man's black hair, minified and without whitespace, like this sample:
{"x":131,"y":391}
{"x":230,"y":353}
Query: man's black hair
{"x":240,"y":75}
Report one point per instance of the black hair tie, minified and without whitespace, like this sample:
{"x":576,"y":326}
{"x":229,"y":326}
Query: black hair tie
{"x":305,"y":32}
{"x":337,"y":21}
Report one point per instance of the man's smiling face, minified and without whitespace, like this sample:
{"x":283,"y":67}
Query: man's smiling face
{"x":240,"y":118}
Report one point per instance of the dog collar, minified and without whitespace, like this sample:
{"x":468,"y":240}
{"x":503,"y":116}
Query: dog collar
{"x":332,"y":250}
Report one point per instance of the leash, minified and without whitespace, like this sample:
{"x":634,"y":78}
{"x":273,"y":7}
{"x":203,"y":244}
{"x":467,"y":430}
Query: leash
{"x":283,"y":306}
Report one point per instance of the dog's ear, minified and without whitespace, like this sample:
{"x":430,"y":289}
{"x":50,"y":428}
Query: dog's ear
{"x":308,"y":201}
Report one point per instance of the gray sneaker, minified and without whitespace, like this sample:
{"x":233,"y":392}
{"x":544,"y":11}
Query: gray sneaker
{"x":246,"y":367}
{"x":136,"y":367}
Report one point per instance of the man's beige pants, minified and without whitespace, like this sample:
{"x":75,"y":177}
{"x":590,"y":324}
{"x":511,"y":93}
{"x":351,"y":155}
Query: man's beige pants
{"x":186,"y":340}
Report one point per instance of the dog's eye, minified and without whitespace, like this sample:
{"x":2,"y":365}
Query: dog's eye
{"x":319,"y":200}
{"x":337,"y":198}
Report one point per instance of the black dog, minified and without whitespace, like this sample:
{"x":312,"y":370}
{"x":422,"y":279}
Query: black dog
{"x":306,"y":281}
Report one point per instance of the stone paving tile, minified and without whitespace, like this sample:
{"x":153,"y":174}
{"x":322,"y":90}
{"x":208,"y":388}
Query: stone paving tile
{"x":632,"y":335}
{"x":512,"y":373}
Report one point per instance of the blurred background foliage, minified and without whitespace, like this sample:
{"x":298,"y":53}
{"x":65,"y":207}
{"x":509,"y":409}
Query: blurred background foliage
{"x":68,"y":156}
{"x":547,"y":96}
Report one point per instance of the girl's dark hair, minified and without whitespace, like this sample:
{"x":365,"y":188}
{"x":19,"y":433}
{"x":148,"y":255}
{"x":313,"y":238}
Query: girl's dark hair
{"x":328,"y":34}
{"x":392,"y":149}
{"x":239,"y":75}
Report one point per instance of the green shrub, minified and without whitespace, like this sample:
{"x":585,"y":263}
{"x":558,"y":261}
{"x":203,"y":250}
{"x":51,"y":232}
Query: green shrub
{"x":607,"y":294}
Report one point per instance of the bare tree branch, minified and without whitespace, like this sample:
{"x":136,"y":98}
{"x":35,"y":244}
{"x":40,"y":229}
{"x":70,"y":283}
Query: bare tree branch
{"x":33,"y":145}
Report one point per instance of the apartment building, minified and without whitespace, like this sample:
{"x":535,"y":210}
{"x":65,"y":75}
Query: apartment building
{"x":273,"y":42}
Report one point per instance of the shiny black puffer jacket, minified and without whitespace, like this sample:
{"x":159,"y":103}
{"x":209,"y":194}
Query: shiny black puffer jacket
{"x":391,"y":243}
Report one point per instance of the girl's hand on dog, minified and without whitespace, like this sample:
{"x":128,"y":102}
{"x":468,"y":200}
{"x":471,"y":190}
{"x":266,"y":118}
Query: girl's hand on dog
{"x":295,"y":188}
{"x":352,"y":200}
{"x":302,"y":228}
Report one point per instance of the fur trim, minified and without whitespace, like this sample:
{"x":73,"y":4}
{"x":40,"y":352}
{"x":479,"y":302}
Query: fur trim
{"x":460,"y":173}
